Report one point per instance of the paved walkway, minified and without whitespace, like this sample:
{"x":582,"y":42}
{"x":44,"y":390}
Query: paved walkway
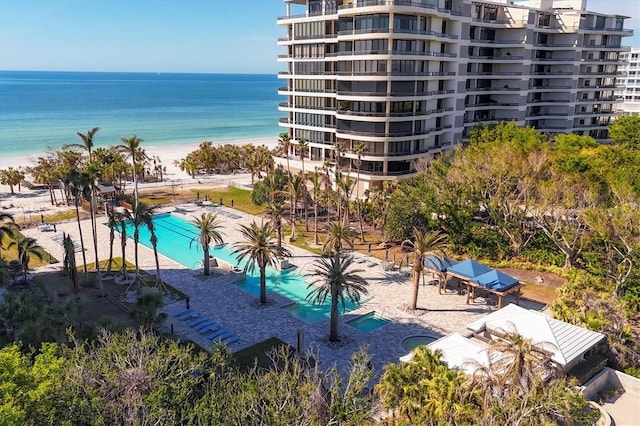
{"x":238,"y":311}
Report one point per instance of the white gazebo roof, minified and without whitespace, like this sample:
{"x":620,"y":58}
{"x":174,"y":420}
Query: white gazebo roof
{"x":570,"y":341}
{"x":458,"y":352}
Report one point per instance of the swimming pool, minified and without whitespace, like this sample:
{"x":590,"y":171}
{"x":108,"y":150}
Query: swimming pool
{"x":412,"y":342}
{"x":369,"y":322}
{"x":174,"y":241}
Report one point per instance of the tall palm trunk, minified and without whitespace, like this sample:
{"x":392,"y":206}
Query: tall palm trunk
{"x":136,"y":238}
{"x":335,"y":314}
{"x":315,"y":222}
{"x":123,"y":246}
{"x":112,"y":237}
{"x":279,"y":232}
{"x":84,"y":257}
{"x":205,"y":260}
{"x":294,"y":202}
{"x":263,"y":283}
{"x":154,"y":243}
{"x":415,"y":287}
{"x":94,"y":231}
{"x":358,"y":206}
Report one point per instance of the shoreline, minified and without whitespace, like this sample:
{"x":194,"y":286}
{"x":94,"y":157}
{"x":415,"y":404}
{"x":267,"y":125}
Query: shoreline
{"x":173,"y":152}
{"x":28,"y":201}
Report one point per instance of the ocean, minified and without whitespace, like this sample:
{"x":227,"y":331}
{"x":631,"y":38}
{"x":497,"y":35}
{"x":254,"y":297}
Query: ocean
{"x":41,"y":110}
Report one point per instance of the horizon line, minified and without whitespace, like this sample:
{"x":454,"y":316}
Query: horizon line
{"x":148,"y":72}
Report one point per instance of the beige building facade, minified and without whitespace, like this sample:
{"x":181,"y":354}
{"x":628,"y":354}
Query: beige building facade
{"x":408,"y":79}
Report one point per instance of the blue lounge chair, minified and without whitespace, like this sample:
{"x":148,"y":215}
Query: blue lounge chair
{"x":202,"y":325}
{"x":189,"y":315}
{"x":197,"y":321}
{"x":220,"y":337}
{"x":179,"y":312}
{"x":210,"y":328}
{"x":216,"y":333}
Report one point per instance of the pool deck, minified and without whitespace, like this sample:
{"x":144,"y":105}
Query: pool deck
{"x":238,"y":312}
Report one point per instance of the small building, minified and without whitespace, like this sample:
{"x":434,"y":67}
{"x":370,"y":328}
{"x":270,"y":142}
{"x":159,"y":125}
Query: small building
{"x":572,"y":344}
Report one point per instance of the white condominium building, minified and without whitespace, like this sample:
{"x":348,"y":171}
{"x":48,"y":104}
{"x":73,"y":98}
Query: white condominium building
{"x":409,"y":78}
{"x":629,"y":82}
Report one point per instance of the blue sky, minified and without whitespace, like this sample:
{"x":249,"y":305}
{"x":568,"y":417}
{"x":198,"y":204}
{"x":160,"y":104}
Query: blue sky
{"x":163,"y":35}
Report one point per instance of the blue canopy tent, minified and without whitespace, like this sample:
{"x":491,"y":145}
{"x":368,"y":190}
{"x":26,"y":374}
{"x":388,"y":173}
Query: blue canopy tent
{"x":496,"y":280}
{"x":475,"y":275}
{"x":432,"y":263}
{"x":467,"y":269}
{"x":438,"y":267}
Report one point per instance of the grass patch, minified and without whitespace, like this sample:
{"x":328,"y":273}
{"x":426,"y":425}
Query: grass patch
{"x":246,"y":358}
{"x":241,"y":198}
{"x":60,"y":216}
{"x":539,"y":293}
{"x":156,"y":199}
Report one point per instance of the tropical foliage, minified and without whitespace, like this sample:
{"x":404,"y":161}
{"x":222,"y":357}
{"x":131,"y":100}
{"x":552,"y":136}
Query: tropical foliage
{"x":209,"y":227}
{"x":336,"y":279}
{"x":259,"y":250}
{"x":510,"y":390}
{"x":139,"y":378}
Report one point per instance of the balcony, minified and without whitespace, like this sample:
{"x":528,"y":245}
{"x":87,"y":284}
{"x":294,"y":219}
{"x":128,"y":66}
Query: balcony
{"x":498,"y":58}
{"x":626,"y":31}
{"x":395,"y":73}
{"x":407,"y":3}
{"x":393,"y":114}
{"x":423,"y":132}
{"x":496,"y":42}
{"x":424,"y":33}
{"x":505,"y":88}
{"x":500,"y":21}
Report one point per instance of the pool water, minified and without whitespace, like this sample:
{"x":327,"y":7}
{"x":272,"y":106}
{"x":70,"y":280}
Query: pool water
{"x":410,"y":343}
{"x":176,"y":241}
{"x":369,"y":322}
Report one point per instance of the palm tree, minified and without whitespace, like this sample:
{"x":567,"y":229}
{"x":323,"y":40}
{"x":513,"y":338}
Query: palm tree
{"x":11,"y":177}
{"x":423,"y":245}
{"x":70,"y":262}
{"x":112,"y":224}
{"x":92,"y":173}
{"x":518,"y":360}
{"x":338,"y":235}
{"x":209,"y":226}
{"x":345,"y":184}
{"x":294,"y":190}
{"x":275,"y":211}
{"x":122,"y":219}
{"x":148,"y":221}
{"x":316,"y":182}
{"x":284,"y":143}
{"x":259,"y":249}
{"x":77,"y":182}
{"x":302,"y":147}
{"x":131,"y":148}
{"x":335,"y":278}
{"x":359,"y":149}
{"x":7,"y":226}
{"x":87,"y":142}
{"x":27,"y":247}
{"x":139,"y":219}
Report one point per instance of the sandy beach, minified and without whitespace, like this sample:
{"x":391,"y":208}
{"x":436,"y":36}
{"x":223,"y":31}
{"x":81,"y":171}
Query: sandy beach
{"x":27,"y":205}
